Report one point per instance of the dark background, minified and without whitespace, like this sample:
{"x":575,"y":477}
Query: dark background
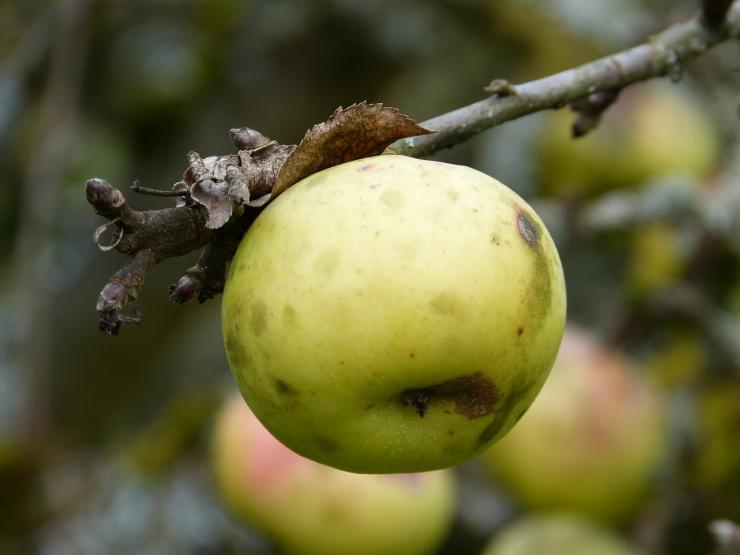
{"x":104,"y":441}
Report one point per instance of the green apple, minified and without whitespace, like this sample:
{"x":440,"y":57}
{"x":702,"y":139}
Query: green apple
{"x":393,"y":314}
{"x":558,"y":535}
{"x":654,"y":130}
{"x":657,"y":259}
{"x":716,"y":458}
{"x":311,"y":509}
{"x":591,"y":442}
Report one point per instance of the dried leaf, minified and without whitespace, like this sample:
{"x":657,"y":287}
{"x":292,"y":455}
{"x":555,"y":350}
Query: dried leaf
{"x":101,"y":230}
{"x":358,"y":131}
{"x":215,"y":197}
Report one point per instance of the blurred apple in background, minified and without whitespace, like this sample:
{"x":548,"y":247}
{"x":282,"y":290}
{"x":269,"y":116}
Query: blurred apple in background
{"x":558,"y":535}
{"x":716,"y":454}
{"x":657,"y":259}
{"x":652,"y":130}
{"x":592,"y":440}
{"x":311,"y":509}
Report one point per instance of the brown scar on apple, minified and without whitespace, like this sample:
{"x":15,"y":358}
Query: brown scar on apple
{"x":538,"y":298}
{"x":235,"y":351}
{"x":528,"y":229}
{"x":474,"y":395}
{"x":285,"y":389}
{"x":502,"y":414}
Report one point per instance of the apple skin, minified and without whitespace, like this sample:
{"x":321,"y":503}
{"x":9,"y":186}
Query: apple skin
{"x":592,"y":440}
{"x":393,"y":314}
{"x":654,"y":130}
{"x":558,"y":535}
{"x":311,"y":509}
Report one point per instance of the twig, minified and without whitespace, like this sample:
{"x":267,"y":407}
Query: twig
{"x":664,"y":52}
{"x":727,"y":534}
{"x":137,"y":187}
{"x":207,"y":278}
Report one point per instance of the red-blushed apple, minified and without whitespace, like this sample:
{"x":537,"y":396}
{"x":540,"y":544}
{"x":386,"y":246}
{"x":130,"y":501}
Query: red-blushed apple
{"x":393,"y":314}
{"x":559,"y":534}
{"x":312,"y":509}
{"x":653,"y":130}
{"x":592,"y":441}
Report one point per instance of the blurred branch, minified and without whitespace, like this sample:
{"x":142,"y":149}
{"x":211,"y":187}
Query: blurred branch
{"x":727,"y":534}
{"x":662,"y":54}
{"x":47,"y":163}
{"x":722,"y":328}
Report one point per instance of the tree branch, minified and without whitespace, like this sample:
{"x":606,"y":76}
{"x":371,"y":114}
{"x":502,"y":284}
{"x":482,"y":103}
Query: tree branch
{"x":211,"y":189}
{"x":659,"y":56}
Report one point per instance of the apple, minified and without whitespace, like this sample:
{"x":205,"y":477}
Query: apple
{"x":312,"y":509}
{"x":657,"y":259}
{"x":393,"y":314}
{"x":591,"y":442}
{"x":558,"y":535}
{"x":654,"y":130}
{"x":715,"y":459}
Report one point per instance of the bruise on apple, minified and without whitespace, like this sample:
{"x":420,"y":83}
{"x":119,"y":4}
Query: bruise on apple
{"x":235,"y":350}
{"x":285,"y":389}
{"x":518,"y":389}
{"x":538,"y":298}
{"x":474,"y":395}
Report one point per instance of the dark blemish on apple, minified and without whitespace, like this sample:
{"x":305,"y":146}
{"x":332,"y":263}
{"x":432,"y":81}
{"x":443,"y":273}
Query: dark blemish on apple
{"x":538,"y":296}
{"x":369,"y":407}
{"x":285,"y":389}
{"x":519,"y":415}
{"x":366,"y":167}
{"x":445,"y":303}
{"x":258,"y":319}
{"x":326,"y":444}
{"x":412,"y":355}
{"x":450,"y":432}
{"x":417,"y":399}
{"x":393,"y":199}
{"x":453,"y":195}
{"x":520,"y":331}
{"x":495,"y":240}
{"x":527,"y":229}
{"x":503,"y":413}
{"x":235,"y":351}
{"x":474,"y":395}
{"x":289,"y":313}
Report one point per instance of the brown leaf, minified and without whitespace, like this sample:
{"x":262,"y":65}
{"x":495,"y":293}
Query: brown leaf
{"x":358,"y":131}
{"x":215,"y":197}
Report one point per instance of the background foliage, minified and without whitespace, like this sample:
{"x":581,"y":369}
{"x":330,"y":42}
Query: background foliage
{"x":104,"y":442}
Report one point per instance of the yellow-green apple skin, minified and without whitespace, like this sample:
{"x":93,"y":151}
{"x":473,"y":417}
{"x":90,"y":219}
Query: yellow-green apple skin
{"x":311,"y":509}
{"x":654,"y":130}
{"x":592,"y":441}
{"x":393,"y":314}
{"x":559,"y":534}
